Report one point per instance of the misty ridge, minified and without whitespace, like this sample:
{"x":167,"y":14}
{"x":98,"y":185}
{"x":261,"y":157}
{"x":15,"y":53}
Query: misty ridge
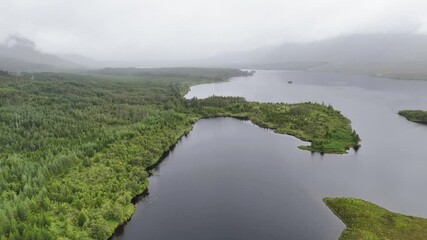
{"x":397,"y":55}
{"x":19,"y":54}
{"x":386,"y":54}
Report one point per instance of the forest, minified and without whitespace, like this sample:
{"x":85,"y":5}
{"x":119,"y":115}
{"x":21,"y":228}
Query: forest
{"x":75,"y":148}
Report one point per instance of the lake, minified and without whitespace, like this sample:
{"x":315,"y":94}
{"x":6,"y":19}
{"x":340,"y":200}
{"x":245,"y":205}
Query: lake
{"x":229,"y":179}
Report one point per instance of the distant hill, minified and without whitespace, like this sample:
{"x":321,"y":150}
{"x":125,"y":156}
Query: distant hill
{"x":18,"y":54}
{"x":17,"y":65}
{"x":390,"y":55}
{"x":83,"y":60}
{"x":394,"y":55}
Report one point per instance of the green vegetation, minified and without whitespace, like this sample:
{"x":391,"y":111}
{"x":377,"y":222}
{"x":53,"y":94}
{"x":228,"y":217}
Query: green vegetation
{"x":417,"y":116}
{"x":74,"y":149}
{"x":326,"y":129}
{"x":365,"y":220}
{"x":214,"y":74}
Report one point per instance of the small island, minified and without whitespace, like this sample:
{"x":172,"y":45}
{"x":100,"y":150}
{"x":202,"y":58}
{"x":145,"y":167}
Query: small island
{"x":365,"y":220}
{"x":417,"y":116}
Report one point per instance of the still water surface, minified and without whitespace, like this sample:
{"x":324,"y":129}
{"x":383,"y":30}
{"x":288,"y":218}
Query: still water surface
{"x":229,"y":179}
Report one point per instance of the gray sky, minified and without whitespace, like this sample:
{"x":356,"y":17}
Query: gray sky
{"x":186,"y":29}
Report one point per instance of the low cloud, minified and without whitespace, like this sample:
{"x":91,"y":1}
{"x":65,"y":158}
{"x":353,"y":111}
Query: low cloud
{"x":191,"y":29}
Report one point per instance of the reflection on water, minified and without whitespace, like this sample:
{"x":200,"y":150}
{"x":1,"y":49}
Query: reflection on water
{"x":232,"y":180}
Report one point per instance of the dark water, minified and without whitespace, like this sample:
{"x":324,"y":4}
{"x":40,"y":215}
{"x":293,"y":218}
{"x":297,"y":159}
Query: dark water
{"x":230,"y":179}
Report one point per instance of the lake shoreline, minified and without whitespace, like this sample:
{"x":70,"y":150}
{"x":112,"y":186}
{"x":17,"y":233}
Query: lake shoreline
{"x":135,"y":199}
{"x":365,"y":220}
{"x":416,"y":116}
{"x":239,"y":116}
{"x":138,"y":197}
{"x":353,"y":164}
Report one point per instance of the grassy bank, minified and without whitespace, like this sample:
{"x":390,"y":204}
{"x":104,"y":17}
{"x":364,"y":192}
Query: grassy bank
{"x":365,"y":220}
{"x":327,"y":129}
{"x":74,"y":148}
{"x":417,"y":116}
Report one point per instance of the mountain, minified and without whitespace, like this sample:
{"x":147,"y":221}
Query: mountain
{"x":18,"y":54}
{"x":393,"y":55}
{"x":83,"y":60}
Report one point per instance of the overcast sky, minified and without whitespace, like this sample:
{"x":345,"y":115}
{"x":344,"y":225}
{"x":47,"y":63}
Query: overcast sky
{"x":185,"y":29}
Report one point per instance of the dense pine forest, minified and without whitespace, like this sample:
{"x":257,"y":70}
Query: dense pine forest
{"x":75,"y":148}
